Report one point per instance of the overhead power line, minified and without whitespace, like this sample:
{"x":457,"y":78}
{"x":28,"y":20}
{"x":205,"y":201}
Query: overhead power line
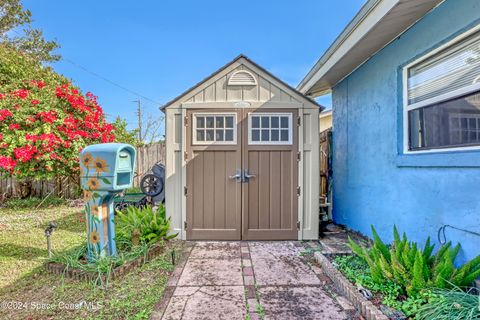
{"x":111,"y":82}
{"x":105,"y":78}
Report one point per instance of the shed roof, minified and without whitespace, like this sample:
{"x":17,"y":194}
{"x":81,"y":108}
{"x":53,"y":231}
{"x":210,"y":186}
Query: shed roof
{"x":249,"y":63}
{"x":376,"y":24}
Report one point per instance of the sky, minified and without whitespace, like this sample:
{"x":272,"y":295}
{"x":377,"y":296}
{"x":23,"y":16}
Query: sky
{"x":158,"y":49}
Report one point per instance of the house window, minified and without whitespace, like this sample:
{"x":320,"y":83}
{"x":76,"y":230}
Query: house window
{"x":442,"y":97}
{"x":465,"y":128}
{"x":214,"y":128}
{"x":270,"y":128}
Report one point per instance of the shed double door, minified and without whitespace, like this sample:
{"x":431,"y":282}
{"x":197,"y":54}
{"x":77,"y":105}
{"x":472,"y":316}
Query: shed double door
{"x":242,"y":174}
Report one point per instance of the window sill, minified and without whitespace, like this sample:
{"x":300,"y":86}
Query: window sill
{"x":461,"y":159}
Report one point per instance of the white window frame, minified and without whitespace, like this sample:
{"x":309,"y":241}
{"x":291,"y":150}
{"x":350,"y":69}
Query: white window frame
{"x":443,"y":97}
{"x":271,"y":114}
{"x":213,"y":114}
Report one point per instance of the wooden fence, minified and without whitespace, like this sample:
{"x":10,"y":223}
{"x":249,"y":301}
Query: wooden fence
{"x":65,"y":187}
{"x":325,"y":143}
{"x":68,"y":187}
{"x":146,"y":157}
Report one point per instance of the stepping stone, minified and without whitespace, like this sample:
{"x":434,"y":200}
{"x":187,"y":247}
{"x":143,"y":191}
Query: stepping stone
{"x":274,"y":249}
{"x":212,"y":302}
{"x":283,"y":270}
{"x":306,"y":303}
{"x":208,"y":272}
{"x":216,"y":280}
{"x":216,"y":250}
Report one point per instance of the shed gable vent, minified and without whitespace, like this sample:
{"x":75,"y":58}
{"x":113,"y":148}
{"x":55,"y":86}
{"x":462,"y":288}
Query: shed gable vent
{"x":242,"y":78}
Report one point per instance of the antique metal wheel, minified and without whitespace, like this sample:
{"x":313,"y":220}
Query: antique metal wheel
{"x":151,"y":185}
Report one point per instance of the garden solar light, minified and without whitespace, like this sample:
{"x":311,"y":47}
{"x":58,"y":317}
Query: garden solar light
{"x":48,"y":232}
{"x":106,"y":170}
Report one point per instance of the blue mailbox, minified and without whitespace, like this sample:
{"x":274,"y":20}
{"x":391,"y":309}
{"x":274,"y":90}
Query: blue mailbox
{"x":105,"y":169}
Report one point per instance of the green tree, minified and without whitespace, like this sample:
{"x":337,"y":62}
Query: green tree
{"x":32,"y":42}
{"x":123,"y":135}
{"x":44,"y":120}
{"x":18,"y":68}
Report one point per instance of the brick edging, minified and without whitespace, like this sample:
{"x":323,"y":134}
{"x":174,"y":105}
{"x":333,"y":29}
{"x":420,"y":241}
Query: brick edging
{"x":252,"y":296}
{"x":77,"y":274}
{"x":161,"y":306}
{"x":365,"y":307}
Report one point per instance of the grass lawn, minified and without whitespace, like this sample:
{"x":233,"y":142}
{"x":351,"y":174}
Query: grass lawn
{"x":46,"y":296}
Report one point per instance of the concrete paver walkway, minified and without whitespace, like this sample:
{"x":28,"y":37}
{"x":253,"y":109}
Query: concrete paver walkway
{"x":246,"y":280}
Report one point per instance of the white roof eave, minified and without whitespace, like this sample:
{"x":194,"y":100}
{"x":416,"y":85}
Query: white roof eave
{"x":368,"y":32}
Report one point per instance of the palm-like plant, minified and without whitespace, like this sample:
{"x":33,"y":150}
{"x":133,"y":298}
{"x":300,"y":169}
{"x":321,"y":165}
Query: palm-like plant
{"x":414,"y":268}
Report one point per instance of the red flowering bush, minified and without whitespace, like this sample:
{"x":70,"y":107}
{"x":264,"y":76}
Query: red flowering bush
{"x":44,"y":126}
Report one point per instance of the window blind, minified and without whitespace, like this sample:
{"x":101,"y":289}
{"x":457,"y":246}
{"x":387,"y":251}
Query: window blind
{"x":454,"y":68}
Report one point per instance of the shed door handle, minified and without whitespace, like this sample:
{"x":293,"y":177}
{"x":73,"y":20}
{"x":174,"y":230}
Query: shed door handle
{"x":237,"y":176}
{"x":248,"y":175}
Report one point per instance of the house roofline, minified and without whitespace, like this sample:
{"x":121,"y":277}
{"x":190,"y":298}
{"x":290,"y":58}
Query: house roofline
{"x":363,"y":33}
{"x":364,"y":10}
{"x":326,"y":113}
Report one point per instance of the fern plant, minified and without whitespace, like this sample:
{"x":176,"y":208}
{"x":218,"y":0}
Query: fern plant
{"x":413,"y":268}
{"x":152,"y":225}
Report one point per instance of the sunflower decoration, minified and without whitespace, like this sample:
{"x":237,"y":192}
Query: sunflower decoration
{"x":87,"y":159}
{"x":93,"y":183}
{"x":94,"y":237}
{"x":87,"y":195}
{"x":94,"y":209}
{"x":100,"y":165}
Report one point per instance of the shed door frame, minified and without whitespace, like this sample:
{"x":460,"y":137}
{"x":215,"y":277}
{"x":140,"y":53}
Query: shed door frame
{"x":231,"y":187}
{"x":243,"y":139}
{"x":287,"y":150}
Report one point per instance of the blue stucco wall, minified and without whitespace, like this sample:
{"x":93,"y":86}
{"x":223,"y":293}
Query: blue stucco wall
{"x":374,"y":183}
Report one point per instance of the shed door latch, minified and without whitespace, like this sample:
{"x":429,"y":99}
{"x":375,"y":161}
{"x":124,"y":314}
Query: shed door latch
{"x":185,"y":225}
{"x":298,"y":191}
{"x":298,"y":225}
{"x":299,"y":121}
{"x":185,"y":121}
{"x":185,"y":191}
{"x":299,"y":156}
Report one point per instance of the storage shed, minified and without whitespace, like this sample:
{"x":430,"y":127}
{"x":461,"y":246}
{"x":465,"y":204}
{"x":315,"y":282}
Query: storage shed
{"x":242,"y":158}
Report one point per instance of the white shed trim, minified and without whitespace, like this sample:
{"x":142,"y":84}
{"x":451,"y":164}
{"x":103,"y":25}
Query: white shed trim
{"x":227,"y":70}
{"x":269,"y":94}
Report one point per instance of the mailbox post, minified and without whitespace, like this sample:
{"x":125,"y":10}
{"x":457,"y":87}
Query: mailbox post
{"x":105,"y":169}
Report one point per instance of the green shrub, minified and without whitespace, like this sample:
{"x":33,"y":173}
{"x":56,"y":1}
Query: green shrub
{"x":414,"y":268}
{"x":448,"y":305}
{"x":357,"y":271}
{"x":151,"y":225}
{"x":413,"y":303}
